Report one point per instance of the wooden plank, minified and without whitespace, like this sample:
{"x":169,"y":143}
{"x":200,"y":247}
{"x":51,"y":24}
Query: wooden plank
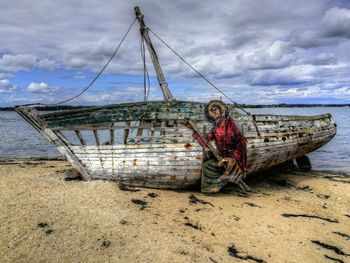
{"x":143,"y":154}
{"x":137,"y":162}
{"x":126,"y":131}
{"x":62,"y":137}
{"x":177,"y":135}
{"x":54,"y":139}
{"x":157,"y":151}
{"x":154,"y":174}
{"x":96,"y":137}
{"x":176,"y":157}
{"x":160,"y":147}
{"x":67,"y":153}
{"x":81,"y":139}
{"x":139,"y":129}
{"x":161,"y":182}
{"x":153,"y":171}
{"x":111,"y":134}
{"x":151,"y":110}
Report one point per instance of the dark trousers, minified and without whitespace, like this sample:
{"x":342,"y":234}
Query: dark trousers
{"x":210,"y":174}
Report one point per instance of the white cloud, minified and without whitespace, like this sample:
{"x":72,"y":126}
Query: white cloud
{"x":281,"y":93}
{"x":294,"y":75}
{"x":47,"y":64}
{"x":41,"y":87}
{"x":6,"y":86}
{"x":250,"y":44}
{"x":276,"y":55}
{"x":319,"y":59}
{"x":14,"y":63}
{"x":126,"y":94}
{"x":79,"y":76}
{"x":5,"y":75}
{"x":332,"y":29}
{"x":344,"y":91}
{"x":336,"y":22}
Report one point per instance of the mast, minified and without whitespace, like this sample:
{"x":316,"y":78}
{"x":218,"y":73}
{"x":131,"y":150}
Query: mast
{"x":145,"y":35}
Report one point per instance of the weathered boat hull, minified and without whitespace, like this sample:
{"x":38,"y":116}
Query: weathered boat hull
{"x":147,"y":144}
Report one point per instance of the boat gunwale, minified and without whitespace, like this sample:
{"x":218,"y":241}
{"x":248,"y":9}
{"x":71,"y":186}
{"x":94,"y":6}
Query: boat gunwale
{"x":63,"y":113}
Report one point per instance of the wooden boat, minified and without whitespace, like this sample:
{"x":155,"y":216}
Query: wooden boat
{"x":147,"y":144}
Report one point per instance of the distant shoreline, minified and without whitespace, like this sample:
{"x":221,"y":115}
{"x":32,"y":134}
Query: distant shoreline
{"x":282,"y":105}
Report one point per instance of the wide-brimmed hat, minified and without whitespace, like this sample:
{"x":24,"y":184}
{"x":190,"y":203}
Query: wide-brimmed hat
{"x":215,"y":104}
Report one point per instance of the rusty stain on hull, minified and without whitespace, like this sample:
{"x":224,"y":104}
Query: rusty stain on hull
{"x":187,"y":146}
{"x":147,"y":144}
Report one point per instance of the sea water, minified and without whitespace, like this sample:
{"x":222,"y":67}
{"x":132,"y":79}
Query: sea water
{"x":19,"y":139}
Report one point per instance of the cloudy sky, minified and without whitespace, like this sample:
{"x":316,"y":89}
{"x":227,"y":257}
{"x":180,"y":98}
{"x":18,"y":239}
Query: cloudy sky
{"x":256,"y":51}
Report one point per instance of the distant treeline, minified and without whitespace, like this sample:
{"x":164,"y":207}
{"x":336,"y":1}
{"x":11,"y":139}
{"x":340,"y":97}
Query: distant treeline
{"x":48,"y":108}
{"x":282,"y":105}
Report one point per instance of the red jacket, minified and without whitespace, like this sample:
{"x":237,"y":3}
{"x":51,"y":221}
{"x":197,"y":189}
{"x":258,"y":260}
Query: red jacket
{"x":228,"y":140}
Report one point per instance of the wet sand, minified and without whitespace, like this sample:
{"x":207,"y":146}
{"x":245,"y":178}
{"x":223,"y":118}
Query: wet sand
{"x":289,"y":217}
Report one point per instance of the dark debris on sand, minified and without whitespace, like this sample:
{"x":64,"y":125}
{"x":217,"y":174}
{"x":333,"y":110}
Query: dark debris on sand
{"x":251,"y":204}
{"x":105,"y":243}
{"x":338,"y":178}
{"x":195,"y":200}
{"x":330,"y":247}
{"x":232,"y":250}
{"x":312,"y":216}
{"x":152,"y":195}
{"x":334,"y":259}
{"x":346,"y":236}
{"x":195,"y":226}
{"x":123,"y":187}
{"x":43,"y":224}
{"x":45,"y":228}
{"x":123,"y":222}
{"x":142,"y":204}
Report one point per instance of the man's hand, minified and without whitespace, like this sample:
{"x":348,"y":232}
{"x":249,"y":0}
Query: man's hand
{"x":229,"y":163}
{"x":233,"y":171}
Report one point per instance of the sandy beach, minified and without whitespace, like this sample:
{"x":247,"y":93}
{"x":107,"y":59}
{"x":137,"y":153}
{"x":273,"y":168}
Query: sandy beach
{"x":288,"y":217}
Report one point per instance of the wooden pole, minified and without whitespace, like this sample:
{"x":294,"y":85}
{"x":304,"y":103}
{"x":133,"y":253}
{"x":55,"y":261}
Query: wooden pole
{"x":161,"y":79}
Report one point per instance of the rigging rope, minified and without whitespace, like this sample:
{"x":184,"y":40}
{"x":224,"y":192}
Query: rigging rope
{"x":146,"y":75}
{"x":200,"y":74}
{"x":97,"y":76}
{"x":146,"y":85}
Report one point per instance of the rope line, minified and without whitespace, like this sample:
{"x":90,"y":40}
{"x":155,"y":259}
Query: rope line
{"x":146,"y":75}
{"x":200,"y":74}
{"x":146,"y":79}
{"x":97,"y":76}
